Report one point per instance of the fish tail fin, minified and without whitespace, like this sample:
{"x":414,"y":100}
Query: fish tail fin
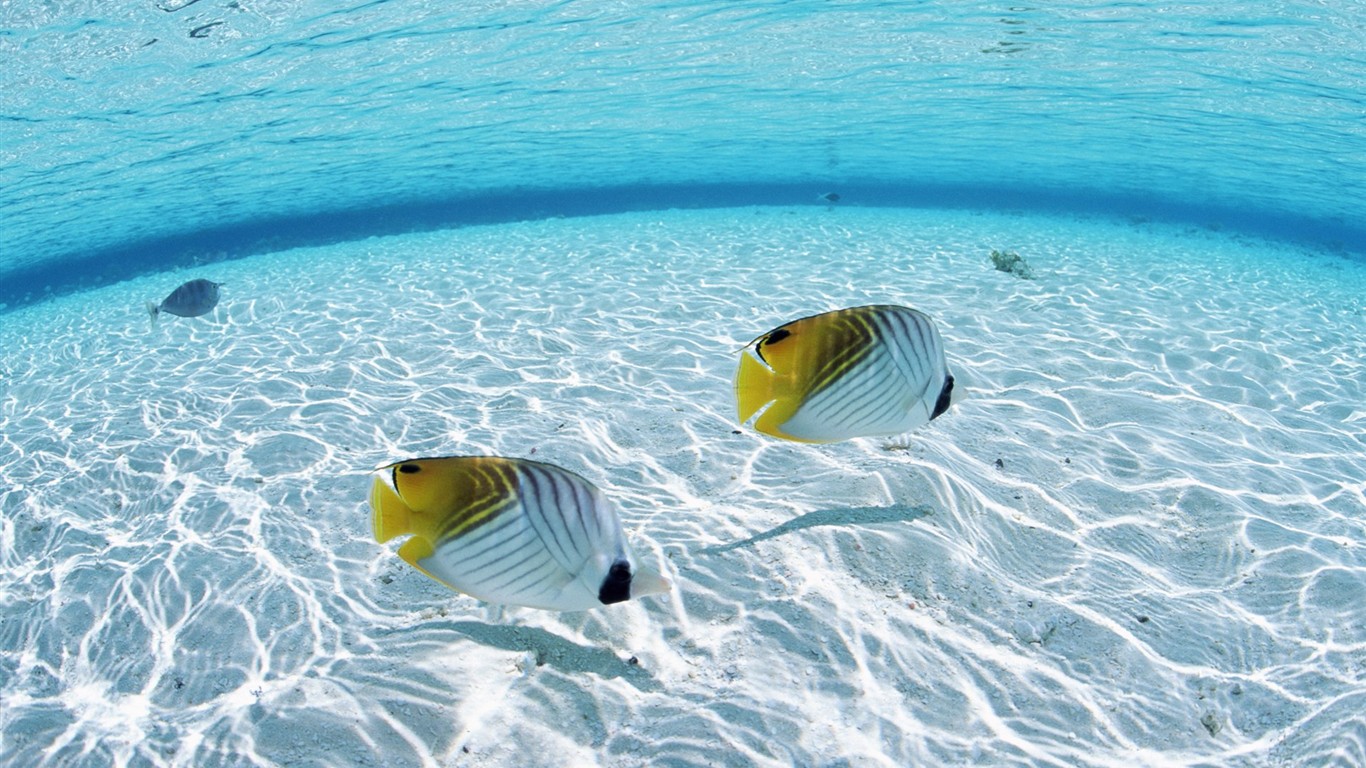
{"x":960,"y":391}
{"x":647,"y":581}
{"x":390,"y":516}
{"x":153,"y":309}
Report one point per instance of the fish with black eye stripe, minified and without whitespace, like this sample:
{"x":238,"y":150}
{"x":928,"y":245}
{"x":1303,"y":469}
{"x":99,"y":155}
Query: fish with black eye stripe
{"x":868,"y":371}
{"x":510,"y":531}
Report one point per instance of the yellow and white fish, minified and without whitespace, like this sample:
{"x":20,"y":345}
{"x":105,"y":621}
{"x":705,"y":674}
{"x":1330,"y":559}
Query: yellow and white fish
{"x":509,"y":531}
{"x":860,"y":372}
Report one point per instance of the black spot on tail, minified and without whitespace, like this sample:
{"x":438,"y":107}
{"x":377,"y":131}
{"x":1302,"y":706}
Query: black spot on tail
{"x":945,"y":395}
{"x":616,"y":587}
{"x":409,"y":469}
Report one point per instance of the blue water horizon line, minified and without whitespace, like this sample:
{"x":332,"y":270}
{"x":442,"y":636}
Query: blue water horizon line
{"x":75,"y":272}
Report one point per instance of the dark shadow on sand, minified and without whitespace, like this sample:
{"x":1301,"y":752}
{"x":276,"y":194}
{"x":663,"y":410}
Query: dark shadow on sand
{"x":554,"y":651}
{"x":842,"y":516}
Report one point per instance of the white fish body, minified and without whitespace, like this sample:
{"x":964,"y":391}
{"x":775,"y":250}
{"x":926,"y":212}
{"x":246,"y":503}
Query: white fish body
{"x":860,"y":372}
{"x":510,"y":531}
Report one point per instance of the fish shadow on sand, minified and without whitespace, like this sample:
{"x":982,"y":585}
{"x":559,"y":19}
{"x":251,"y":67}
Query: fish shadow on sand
{"x":554,"y":651}
{"x":841,"y":516}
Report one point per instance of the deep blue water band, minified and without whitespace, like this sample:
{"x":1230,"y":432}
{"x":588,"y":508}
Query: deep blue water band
{"x":79,"y":271}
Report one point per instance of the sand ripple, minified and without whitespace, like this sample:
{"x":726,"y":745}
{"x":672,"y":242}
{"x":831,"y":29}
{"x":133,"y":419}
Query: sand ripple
{"x":1141,"y":541}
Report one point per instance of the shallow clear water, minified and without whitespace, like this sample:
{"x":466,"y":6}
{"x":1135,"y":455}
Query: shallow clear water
{"x":1140,"y":540}
{"x":129,"y":130}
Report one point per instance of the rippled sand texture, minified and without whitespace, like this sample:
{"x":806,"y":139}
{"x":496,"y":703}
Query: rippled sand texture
{"x":1140,"y":541}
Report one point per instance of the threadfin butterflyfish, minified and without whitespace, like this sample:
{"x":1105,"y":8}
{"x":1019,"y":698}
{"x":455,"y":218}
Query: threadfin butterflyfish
{"x":192,"y":299}
{"x":509,"y":531}
{"x":859,"y":372}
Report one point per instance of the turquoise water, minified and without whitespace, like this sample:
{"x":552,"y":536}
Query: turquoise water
{"x":544,"y":231}
{"x":153,"y":132}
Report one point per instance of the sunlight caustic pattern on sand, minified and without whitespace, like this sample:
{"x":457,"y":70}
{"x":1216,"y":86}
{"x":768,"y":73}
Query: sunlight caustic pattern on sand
{"x":1140,"y":539}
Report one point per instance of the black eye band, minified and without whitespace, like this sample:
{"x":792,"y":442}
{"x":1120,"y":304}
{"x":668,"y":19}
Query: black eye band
{"x":770,"y":340}
{"x":775,"y":337}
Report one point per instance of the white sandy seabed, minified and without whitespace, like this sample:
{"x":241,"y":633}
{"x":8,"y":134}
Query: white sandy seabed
{"x":1141,"y":540}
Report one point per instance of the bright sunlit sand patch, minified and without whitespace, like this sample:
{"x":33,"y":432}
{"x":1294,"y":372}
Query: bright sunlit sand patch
{"x":1138,"y":540}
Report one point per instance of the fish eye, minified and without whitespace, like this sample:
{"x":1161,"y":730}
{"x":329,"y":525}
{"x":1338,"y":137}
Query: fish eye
{"x":776,"y":336}
{"x":409,"y":469}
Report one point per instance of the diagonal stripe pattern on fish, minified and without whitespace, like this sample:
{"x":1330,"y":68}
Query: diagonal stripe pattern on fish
{"x":868,"y":371}
{"x":509,"y":531}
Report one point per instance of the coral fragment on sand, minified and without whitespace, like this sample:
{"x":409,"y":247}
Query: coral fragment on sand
{"x":1006,"y":261}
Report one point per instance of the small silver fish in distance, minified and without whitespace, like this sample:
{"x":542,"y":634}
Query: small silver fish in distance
{"x":509,"y":531}
{"x":195,"y":298}
{"x":860,"y":372}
